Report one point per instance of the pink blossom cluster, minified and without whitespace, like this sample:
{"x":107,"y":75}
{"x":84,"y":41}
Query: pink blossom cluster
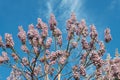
{"x":9,"y":40}
{"x":48,"y":42}
{"x":107,"y":35}
{"x":15,"y":57}
{"x":22,"y":35}
{"x":96,"y":59}
{"x":15,"y":74}
{"x":55,"y":31}
{"x":4,"y":57}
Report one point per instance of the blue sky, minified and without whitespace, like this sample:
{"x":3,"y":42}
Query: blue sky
{"x":102,"y":13}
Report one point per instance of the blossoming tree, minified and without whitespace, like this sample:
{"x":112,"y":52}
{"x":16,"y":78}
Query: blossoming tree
{"x":46,"y":57}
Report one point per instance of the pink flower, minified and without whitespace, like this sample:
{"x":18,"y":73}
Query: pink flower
{"x":85,"y":31}
{"x":85,"y":44}
{"x":59,"y":52}
{"x":48,"y":42}
{"x":35,"y":42}
{"x":91,"y":43}
{"x":46,"y":68}
{"x":40,"y":40}
{"x":39,"y":24}
{"x":24,"y":48}
{"x":5,"y":56}
{"x":22,"y":35}
{"x":25,"y":61}
{"x":44,"y":32}
{"x":47,"y":52}
{"x":83,"y":58}
{"x":15,"y":57}
{"x":71,"y":23}
{"x":96,"y":59}
{"x":52,"y":22}
{"x":79,"y":29}
{"x":52,"y":62}
{"x":92,"y":27}
{"x":37,"y":70}
{"x":70,"y":35}
{"x":57,"y":32}
{"x":107,"y":35}
{"x":101,"y":51}
{"x":9,"y":40}
{"x":36,"y":50}
{"x":75,"y":71}
{"x":59,"y":40}
{"x":82,"y":70}
{"x":93,"y":33}
{"x":32,"y":32}
{"x":62,"y":59}
{"x":72,"y":28}
{"x":53,"y":56}
{"x":74,"y":44}
{"x":98,"y":72}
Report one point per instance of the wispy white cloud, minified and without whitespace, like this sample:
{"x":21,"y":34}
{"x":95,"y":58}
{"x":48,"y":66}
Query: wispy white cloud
{"x":49,"y":7}
{"x":73,"y":6}
{"x":113,"y":4}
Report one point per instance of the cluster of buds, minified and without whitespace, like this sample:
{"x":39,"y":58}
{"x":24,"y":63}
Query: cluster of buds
{"x":85,"y":44}
{"x":4,"y":57}
{"x":22,"y":35}
{"x":101,"y":51}
{"x":107,"y":35}
{"x":85,"y":28}
{"x":93,"y":33}
{"x":37,"y":70}
{"x":76,"y":73}
{"x":62,"y":55}
{"x":74,"y":44}
{"x":15,"y":75}
{"x":71,"y":26}
{"x":82,"y":70}
{"x":83,"y":57}
{"x":53,"y":57}
{"x":9,"y":40}
{"x":82,"y":29}
{"x":25,"y":61}
{"x":98,"y":74}
{"x":48,"y":42}
{"x":24,"y":48}
{"x":112,"y":67}
{"x":15,"y":57}
{"x":40,"y":24}
{"x":96,"y":59}
{"x":55,"y":31}
{"x":59,"y":55}
{"x":52,"y":22}
{"x":32,"y":33}
{"x":43,"y":27}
